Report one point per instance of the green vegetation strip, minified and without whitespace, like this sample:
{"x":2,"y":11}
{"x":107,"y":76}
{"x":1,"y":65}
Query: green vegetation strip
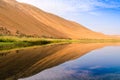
{"x":11,"y":42}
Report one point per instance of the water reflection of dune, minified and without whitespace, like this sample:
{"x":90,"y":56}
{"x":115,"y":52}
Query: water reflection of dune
{"x":27,"y":62}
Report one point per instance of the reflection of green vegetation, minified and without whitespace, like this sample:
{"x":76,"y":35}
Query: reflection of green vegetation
{"x":10,"y":42}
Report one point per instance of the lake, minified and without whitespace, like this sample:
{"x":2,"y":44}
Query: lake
{"x":91,"y":61}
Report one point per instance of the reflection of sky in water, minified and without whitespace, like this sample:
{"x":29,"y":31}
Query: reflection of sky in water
{"x":102,"y":64}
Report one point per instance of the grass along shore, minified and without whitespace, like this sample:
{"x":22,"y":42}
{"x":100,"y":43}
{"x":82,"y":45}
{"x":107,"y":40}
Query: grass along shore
{"x":11,"y":42}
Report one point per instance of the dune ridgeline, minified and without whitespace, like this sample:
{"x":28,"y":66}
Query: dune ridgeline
{"x":21,"y":19}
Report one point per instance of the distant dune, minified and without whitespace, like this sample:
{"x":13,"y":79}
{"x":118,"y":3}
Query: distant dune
{"x":22,"y":19}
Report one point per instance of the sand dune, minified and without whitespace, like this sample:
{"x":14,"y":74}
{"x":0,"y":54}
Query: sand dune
{"x":27,"y":20}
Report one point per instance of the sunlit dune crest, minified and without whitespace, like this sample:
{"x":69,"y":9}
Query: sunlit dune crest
{"x":24,"y":19}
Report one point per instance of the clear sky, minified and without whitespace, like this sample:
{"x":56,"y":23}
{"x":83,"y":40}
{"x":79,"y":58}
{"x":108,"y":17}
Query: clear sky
{"x":98,"y":15}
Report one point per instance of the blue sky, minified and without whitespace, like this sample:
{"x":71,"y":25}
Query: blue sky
{"x":98,"y":15}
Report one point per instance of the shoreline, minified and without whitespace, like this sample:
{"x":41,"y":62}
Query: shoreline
{"x":13,"y":42}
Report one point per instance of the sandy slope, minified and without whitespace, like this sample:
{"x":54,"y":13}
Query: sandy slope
{"x":24,"y":19}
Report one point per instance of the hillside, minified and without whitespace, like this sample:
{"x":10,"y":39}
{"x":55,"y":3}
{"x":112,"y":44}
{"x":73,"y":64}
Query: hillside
{"x":22,"y":19}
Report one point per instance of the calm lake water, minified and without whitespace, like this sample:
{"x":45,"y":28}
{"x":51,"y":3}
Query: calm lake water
{"x":93,"y":61}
